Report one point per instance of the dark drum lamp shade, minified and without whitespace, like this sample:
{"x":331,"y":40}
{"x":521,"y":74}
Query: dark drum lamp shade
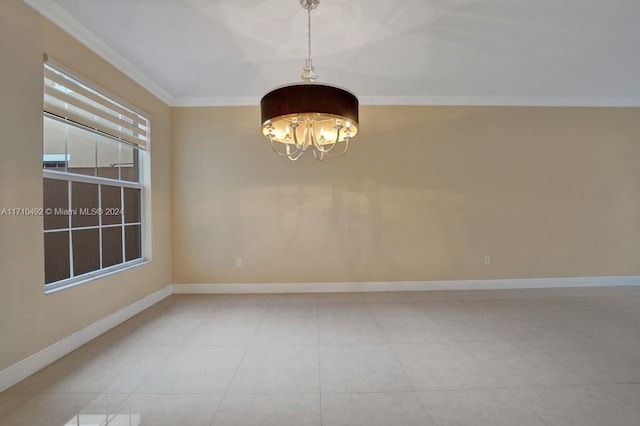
{"x":309,"y":98}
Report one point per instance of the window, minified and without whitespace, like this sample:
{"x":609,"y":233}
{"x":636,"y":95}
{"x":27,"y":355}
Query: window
{"x":95,"y":159}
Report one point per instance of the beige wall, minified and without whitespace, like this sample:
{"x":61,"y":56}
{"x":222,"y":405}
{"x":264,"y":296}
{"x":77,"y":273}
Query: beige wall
{"x":29,"y":319}
{"x":424,"y":194}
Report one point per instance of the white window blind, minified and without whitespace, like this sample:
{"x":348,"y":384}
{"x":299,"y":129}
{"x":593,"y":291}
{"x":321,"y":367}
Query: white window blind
{"x":79,"y":104}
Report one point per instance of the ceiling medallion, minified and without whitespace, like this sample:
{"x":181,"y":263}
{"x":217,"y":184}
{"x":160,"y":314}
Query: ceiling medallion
{"x":309,"y":115}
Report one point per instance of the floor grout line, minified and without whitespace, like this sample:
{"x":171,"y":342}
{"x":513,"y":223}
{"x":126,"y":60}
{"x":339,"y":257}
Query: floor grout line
{"x":235,"y":372}
{"x":406,"y":375}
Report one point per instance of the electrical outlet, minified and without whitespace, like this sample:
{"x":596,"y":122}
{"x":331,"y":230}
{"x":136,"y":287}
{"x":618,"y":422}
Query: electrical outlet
{"x":239,"y":263}
{"x":487,"y":260}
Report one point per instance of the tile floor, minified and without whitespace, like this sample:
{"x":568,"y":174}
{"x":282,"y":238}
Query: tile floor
{"x":513,"y":357}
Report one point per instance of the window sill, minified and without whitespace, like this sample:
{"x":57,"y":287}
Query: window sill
{"x":92,"y":276}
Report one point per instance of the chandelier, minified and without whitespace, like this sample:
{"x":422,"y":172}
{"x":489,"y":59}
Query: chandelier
{"x":302,"y":116}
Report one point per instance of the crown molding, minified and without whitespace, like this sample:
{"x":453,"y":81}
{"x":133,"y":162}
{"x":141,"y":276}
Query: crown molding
{"x":535,"y":101}
{"x":56,"y":14}
{"x":432,"y":101}
{"x":216,"y":101}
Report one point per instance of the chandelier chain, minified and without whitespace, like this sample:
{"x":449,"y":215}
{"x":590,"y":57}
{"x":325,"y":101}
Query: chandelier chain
{"x":309,"y":31}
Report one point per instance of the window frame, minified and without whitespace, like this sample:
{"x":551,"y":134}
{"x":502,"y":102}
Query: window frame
{"x":143,"y":184}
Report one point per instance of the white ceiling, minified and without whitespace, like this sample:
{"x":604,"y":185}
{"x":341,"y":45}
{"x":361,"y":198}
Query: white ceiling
{"x":487,"y":52}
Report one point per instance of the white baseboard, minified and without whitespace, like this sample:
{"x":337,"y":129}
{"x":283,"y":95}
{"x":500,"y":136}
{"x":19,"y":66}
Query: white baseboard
{"x":518,"y":283}
{"x":23,"y":369}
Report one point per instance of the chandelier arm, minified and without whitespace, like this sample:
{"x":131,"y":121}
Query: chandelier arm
{"x":338,"y":128}
{"x":328,"y":150}
{"x":314,"y":137}
{"x":278,"y":152}
{"x":273,"y":148}
{"x":333,"y":145}
{"x":289,"y":152}
{"x":295,"y":135}
{"x":320,"y":148}
{"x":295,"y":155}
{"x":301,"y":146}
{"x":310,"y":135}
{"x":346,"y":147}
{"x":318,"y":155}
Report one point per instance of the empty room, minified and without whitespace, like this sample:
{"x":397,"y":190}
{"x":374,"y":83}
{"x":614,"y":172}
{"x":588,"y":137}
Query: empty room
{"x":320,"y":212}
